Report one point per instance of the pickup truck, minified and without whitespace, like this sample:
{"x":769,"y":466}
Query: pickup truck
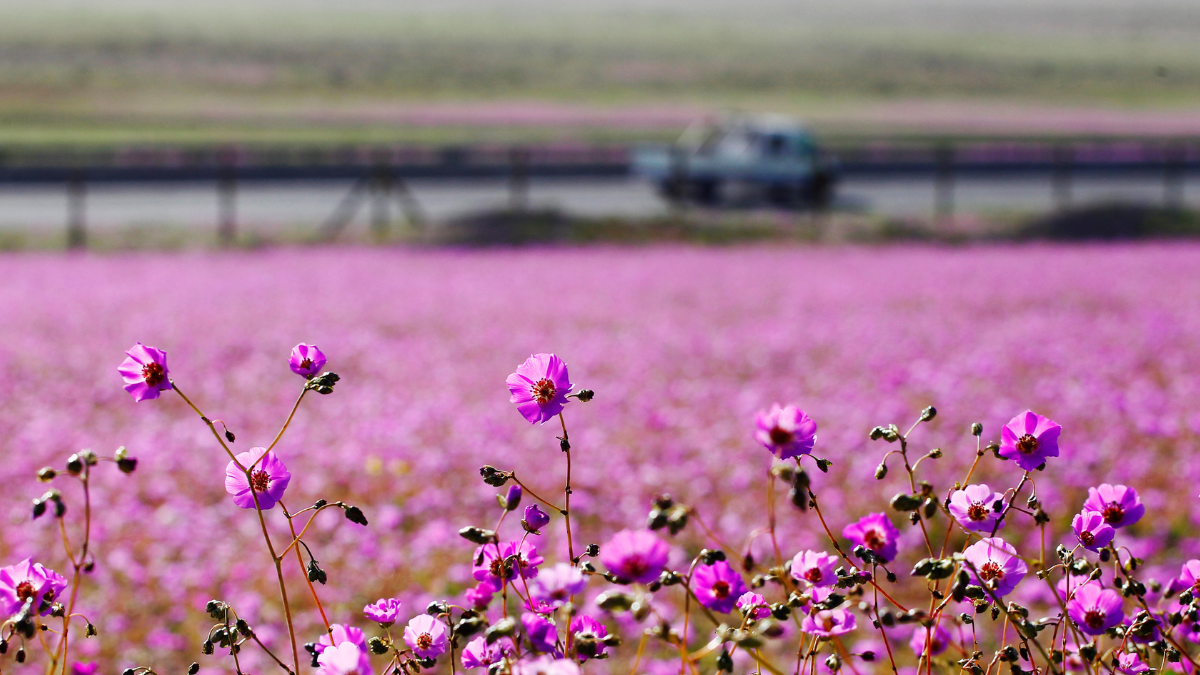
{"x":771,"y":156}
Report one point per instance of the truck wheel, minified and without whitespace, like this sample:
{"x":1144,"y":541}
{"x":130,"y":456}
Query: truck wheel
{"x":818,"y":191}
{"x":706,"y":191}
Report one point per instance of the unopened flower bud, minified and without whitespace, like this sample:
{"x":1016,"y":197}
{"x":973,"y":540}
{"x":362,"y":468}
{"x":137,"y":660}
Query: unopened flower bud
{"x":535,"y":519}
{"x":39,"y":508}
{"x":585,"y":395}
{"x":20,"y":656}
{"x":976,"y":429}
{"x":194,"y":668}
{"x":513,"y":499}
{"x":127,"y":464}
{"x":89,"y":631}
{"x":881,"y":471}
{"x":89,"y":457}
{"x":46,"y":474}
{"x":75,"y":464}
{"x":928,"y":413}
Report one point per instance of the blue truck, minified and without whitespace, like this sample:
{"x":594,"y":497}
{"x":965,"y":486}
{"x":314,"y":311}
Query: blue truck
{"x":742,"y":157}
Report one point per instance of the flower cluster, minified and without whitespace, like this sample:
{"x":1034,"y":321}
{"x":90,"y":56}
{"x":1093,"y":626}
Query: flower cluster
{"x":811,"y":564}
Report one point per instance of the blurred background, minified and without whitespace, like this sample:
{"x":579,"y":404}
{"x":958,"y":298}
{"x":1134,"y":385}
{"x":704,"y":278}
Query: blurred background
{"x":964,"y":118}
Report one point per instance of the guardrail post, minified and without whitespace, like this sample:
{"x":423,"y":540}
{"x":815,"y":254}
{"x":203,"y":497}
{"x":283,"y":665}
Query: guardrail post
{"x":518,"y":179}
{"x":227,"y":205}
{"x":76,"y":216}
{"x":1173,"y":175}
{"x":381,"y":192}
{"x":944,"y":185}
{"x":1064,"y":158}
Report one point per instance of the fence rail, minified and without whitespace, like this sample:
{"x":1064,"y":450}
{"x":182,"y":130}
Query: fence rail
{"x":379,"y":172}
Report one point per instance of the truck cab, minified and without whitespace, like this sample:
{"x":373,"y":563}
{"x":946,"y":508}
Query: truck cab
{"x":773,"y":156}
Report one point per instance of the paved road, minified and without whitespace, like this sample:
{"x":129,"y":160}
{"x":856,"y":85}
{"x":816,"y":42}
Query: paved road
{"x":266,"y":207}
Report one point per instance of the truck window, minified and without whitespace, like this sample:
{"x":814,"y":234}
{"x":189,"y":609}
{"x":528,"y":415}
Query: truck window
{"x":776,"y":145}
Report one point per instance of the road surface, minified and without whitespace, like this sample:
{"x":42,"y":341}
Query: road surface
{"x":271,"y":207}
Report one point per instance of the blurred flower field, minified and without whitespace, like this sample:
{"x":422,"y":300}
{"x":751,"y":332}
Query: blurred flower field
{"x":681,"y":345}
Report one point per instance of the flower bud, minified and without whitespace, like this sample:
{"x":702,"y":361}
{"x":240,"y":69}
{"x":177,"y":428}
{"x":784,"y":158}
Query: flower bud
{"x":20,"y":656}
{"x":592,"y":550}
{"x":89,"y":457}
{"x":90,"y":631}
{"x":867,"y":656}
{"x":833,"y":662}
{"x":535,"y":519}
{"x":976,"y":429}
{"x":513,"y":499}
{"x":194,"y":668}
{"x":39,"y":508}
{"x":127,"y":464}
{"x":206,"y":648}
{"x":46,"y":474}
{"x":585,"y":395}
{"x":75,"y":464}
{"x":881,"y":471}
{"x":928,"y":413}
{"x":355,"y":515}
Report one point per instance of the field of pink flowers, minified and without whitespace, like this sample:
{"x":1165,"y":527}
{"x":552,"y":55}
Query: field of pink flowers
{"x":681,"y":345}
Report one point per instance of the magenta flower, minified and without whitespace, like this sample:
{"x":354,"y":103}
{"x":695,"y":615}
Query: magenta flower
{"x":558,"y":584}
{"x":993,"y":564}
{"x":718,"y":586}
{"x":268,"y":479}
{"x":1028,"y":439}
{"x":973,"y":508}
{"x":306,"y":360}
{"x":343,"y":635}
{"x":1189,"y":576}
{"x":480,"y":596}
{"x":29,"y":582}
{"x":479,"y":654}
{"x":635,"y":555}
{"x":145,"y":372}
{"x":540,"y":387}
{"x":814,"y":567}
{"x":81,"y":668}
{"x":489,"y":561}
{"x":385,"y":611}
{"x":343,"y":659}
{"x":1095,"y":609}
{"x":1092,"y":531}
{"x":1129,"y":663}
{"x":535,"y":518}
{"x":829,"y":623}
{"x":753,"y":605}
{"x":876,"y":532}
{"x":545,"y":665}
{"x":785,"y":430}
{"x":426,"y":636}
{"x":541,"y":632}
{"x":586,"y":628}
{"x":1119,"y":505}
{"x":936,"y":639}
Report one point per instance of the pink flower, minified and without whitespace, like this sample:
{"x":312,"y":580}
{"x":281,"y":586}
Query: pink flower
{"x":145,"y":372}
{"x":426,"y":636}
{"x":785,"y":430}
{"x":1095,"y":609}
{"x":994,"y":564}
{"x":936,"y":639}
{"x":829,"y":623}
{"x":587,"y":629}
{"x":1119,"y":505}
{"x":1029,"y":439}
{"x":974,"y":508}
{"x":815,"y":568}
{"x":1091,"y":530}
{"x":1129,"y":663}
{"x":875,"y":532}
{"x":635,"y":555}
{"x":29,"y":582}
{"x":385,"y":611}
{"x":480,"y":596}
{"x":540,"y":387}
{"x":491,"y":561}
{"x":479,"y":654}
{"x":541,"y":632}
{"x":558,"y":584}
{"x":340,"y":660}
{"x":718,"y":586}
{"x":346,"y":635}
{"x":753,"y":606}
{"x":268,"y":479}
{"x":306,"y":360}
{"x":81,"y":668}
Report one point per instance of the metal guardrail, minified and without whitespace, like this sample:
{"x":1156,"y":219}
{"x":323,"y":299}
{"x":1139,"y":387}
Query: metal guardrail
{"x":379,"y":172}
